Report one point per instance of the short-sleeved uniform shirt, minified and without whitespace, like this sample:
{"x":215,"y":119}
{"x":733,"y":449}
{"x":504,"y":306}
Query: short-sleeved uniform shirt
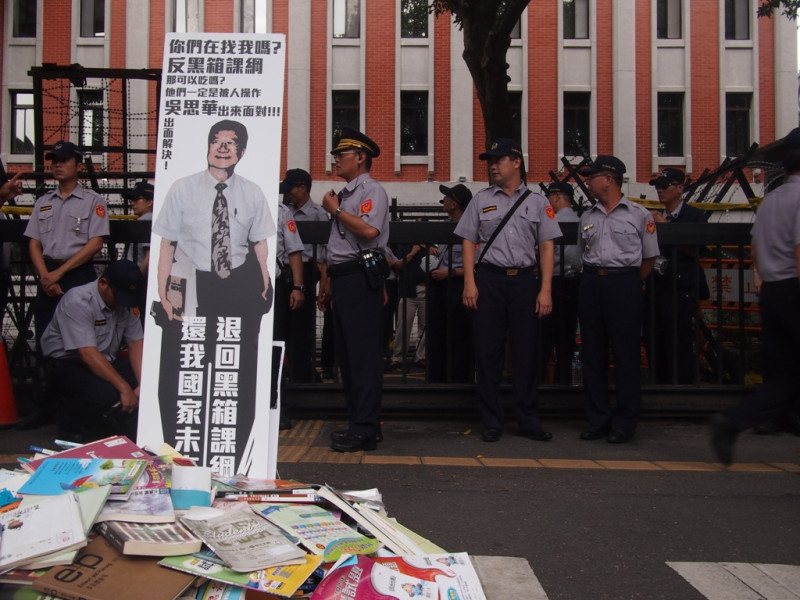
{"x":82,"y":320}
{"x":622,"y":238}
{"x":288,"y":238}
{"x":186,"y":217}
{"x":515,"y":246}
{"x":776,"y":232}
{"x":311,"y":212}
{"x":64,"y":226}
{"x":365,"y":198}
{"x":143,"y":249}
{"x":451,"y":255}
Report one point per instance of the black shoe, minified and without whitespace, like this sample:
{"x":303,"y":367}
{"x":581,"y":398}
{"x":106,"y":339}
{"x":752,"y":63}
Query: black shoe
{"x":72,"y":436}
{"x":594,"y":434}
{"x":620,"y":436}
{"x":34,"y":421}
{"x":723,"y":436}
{"x":284,"y":424}
{"x":354,"y":443}
{"x":338,"y":436}
{"x":537,"y":435}
{"x":491,"y":434}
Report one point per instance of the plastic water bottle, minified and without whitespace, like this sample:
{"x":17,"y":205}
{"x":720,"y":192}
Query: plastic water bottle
{"x":577,"y":370}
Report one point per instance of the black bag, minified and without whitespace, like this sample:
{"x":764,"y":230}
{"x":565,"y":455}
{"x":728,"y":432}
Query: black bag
{"x":375,"y":266}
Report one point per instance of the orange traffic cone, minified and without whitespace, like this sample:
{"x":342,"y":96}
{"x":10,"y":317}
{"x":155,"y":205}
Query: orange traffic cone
{"x":8,"y":406}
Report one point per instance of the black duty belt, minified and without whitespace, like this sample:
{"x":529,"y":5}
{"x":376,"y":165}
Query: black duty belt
{"x":53,"y":262}
{"x":609,"y":270}
{"x":345,"y":268}
{"x":507,"y":271}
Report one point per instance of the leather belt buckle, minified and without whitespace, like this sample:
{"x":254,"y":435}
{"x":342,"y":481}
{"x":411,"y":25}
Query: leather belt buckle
{"x":602,"y":271}
{"x":512,"y":272}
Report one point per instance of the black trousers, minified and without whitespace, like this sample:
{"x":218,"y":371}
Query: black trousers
{"x":558,"y":329}
{"x":357,"y":313}
{"x":87,"y":400}
{"x":610,"y":312}
{"x":780,"y":319}
{"x":449,"y":333}
{"x":506,"y":307}
{"x":671,"y":318}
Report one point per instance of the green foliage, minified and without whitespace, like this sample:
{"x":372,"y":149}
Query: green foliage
{"x":790,"y":8}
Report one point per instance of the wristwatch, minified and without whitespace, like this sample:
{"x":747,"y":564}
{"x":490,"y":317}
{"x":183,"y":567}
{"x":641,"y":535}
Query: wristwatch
{"x":338,"y":212}
{"x":299,"y":288}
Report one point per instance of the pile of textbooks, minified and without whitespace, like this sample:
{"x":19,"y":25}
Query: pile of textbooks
{"x":108,"y":520}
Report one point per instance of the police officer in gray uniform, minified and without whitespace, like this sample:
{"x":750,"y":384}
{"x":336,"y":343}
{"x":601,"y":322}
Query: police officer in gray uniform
{"x":100,"y":390}
{"x":776,"y":250}
{"x":360,"y":222}
{"x":502,"y":288}
{"x":618,"y":244}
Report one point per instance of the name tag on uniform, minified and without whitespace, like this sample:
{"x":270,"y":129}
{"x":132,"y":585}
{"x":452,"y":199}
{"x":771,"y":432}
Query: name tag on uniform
{"x":44,"y":208}
{"x":489,"y":209}
{"x":100,"y":322}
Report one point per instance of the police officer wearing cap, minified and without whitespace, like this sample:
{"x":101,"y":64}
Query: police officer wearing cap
{"x":360,"y":222}
{"x":776,"y":251}
{"x":449,"y":330}
{"x":66,"y":229}
{"x":296,"y":190}
{"x":672,"y":293}
{"x":502,"y":288}
{"x":100,"y":390}
{"x":141,"y":201}
{"x":558,"y":329}
{"x":618,"y":244}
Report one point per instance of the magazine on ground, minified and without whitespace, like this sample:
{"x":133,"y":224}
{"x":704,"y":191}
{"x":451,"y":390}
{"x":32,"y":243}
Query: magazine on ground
{"x":59,"y":475}
{"x":117,"y":446}
{"x":453,"y":573}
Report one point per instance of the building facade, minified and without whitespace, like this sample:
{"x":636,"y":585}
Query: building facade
{"x":656,"y":82}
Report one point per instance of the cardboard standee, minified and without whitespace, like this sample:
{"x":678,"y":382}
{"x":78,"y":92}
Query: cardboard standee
{"x":8,"y":405}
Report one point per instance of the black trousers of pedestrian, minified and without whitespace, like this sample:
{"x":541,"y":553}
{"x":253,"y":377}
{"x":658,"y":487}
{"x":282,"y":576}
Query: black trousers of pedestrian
{"x":449,"y":333}
{"x":506,"y":306}
{"x":658,"y":335}
{"x":780,"y":320}
{"x":87,"y":400}
{"x":357,"y":312}
{"x":300,"y":329}
{"x":610,"y":312}
{"x":558,"y":329}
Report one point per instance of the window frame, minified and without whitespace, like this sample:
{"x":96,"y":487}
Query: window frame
{"x":15,"y":12}
{"x":98,"y":114}
{"x":569,"y":19}
{"x":665,"y":11}
{"x":420,"y":104}
{"x":731,"y":111}
{"x":737,"y":15}
{"x":572,"y":108}
{"x":424,"y":4}
{"x":663,"y":111}
{"x":14,"y":107}
{"x":356,"y":20}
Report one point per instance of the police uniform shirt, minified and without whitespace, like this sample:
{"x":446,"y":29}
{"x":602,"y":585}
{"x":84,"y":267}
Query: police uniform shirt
{"x":288,"y":238}
{"x":310,"y":212}
{"x":776,"y":232}
{"x":448,"y":258}
{"x":622,"y":238}
{"x":365,"y":198}
{"x":572,"y":255}
{"x":142,"y":248}
{"x":515,"y":246}
{"x":64,"y":226}
{"x":82,"y":320}
{"x":186,"y":217}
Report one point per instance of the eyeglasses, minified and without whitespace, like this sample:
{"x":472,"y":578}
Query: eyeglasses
{"x":339,"y":155}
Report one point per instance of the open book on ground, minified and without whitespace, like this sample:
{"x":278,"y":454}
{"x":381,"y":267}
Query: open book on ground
{"x":58,"y":475}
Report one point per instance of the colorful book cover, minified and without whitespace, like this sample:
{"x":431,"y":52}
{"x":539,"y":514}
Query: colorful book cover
{"x":59,"y":475}
{"x":117,"y":446}
{"x":361,"y":577}
{"x":453,"y":573}
{"x":149,"y":501}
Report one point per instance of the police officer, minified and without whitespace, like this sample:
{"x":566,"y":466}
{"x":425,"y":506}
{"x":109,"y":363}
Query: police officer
{"x":618,"y":244}
{"x":558,"y":329}
{"x":66,"y":229}
{"x":360,"y":222}
{"x":100,"y":390}
{"x":289,"y":293}
{"x":674,"y":317}
{"x":296,"y":190}
{"x":141,"y":199}
{"x":776,"y":250}
{"x":449,"y":329}
{"x":502,"y":287}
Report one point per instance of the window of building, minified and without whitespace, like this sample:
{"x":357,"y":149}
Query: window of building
{"x":414,"y":18}
{"x":22,"y":122}
{"x":90,"y":105}
{"x":668,"y":19}
{"x":24,"y":19}
{"x":178,"y":16}
{"x":346,"y":109}
{"x":516,"y":33}
{"x":413,"y":123}
{"x":515,"y":98}
{"x":737,"y":19}
{"x":577,"y":110}
{"x":93,"y":18}
{"x":737,"y":123}
{"x":346,"y":18}
{"x":670,"y":124}
{"x":576,"y":19}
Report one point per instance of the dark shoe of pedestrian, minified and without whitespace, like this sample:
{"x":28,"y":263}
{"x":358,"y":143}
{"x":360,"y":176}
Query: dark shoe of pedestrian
{"x":491,"y":434}
{"x":767,"y":427}
{"x":338,"y":436}
{"x":420,"y":363}
{"x":594,"y":434}
{"x":620,"y":436}
{"x":723,"y":436}
{"x":35,"y":420}
{"x":537,"y":435}
{"x":284,"y":424}
{"x":354,"y":443}
{"x":73,"y":436}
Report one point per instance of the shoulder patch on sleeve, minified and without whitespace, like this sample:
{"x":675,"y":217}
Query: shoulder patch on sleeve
{"x":366,"y":206}
{"x":551,"y":214}
{"x":291,"y":225}
{"x":100,"y":210}
{"x":650,"y":227}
